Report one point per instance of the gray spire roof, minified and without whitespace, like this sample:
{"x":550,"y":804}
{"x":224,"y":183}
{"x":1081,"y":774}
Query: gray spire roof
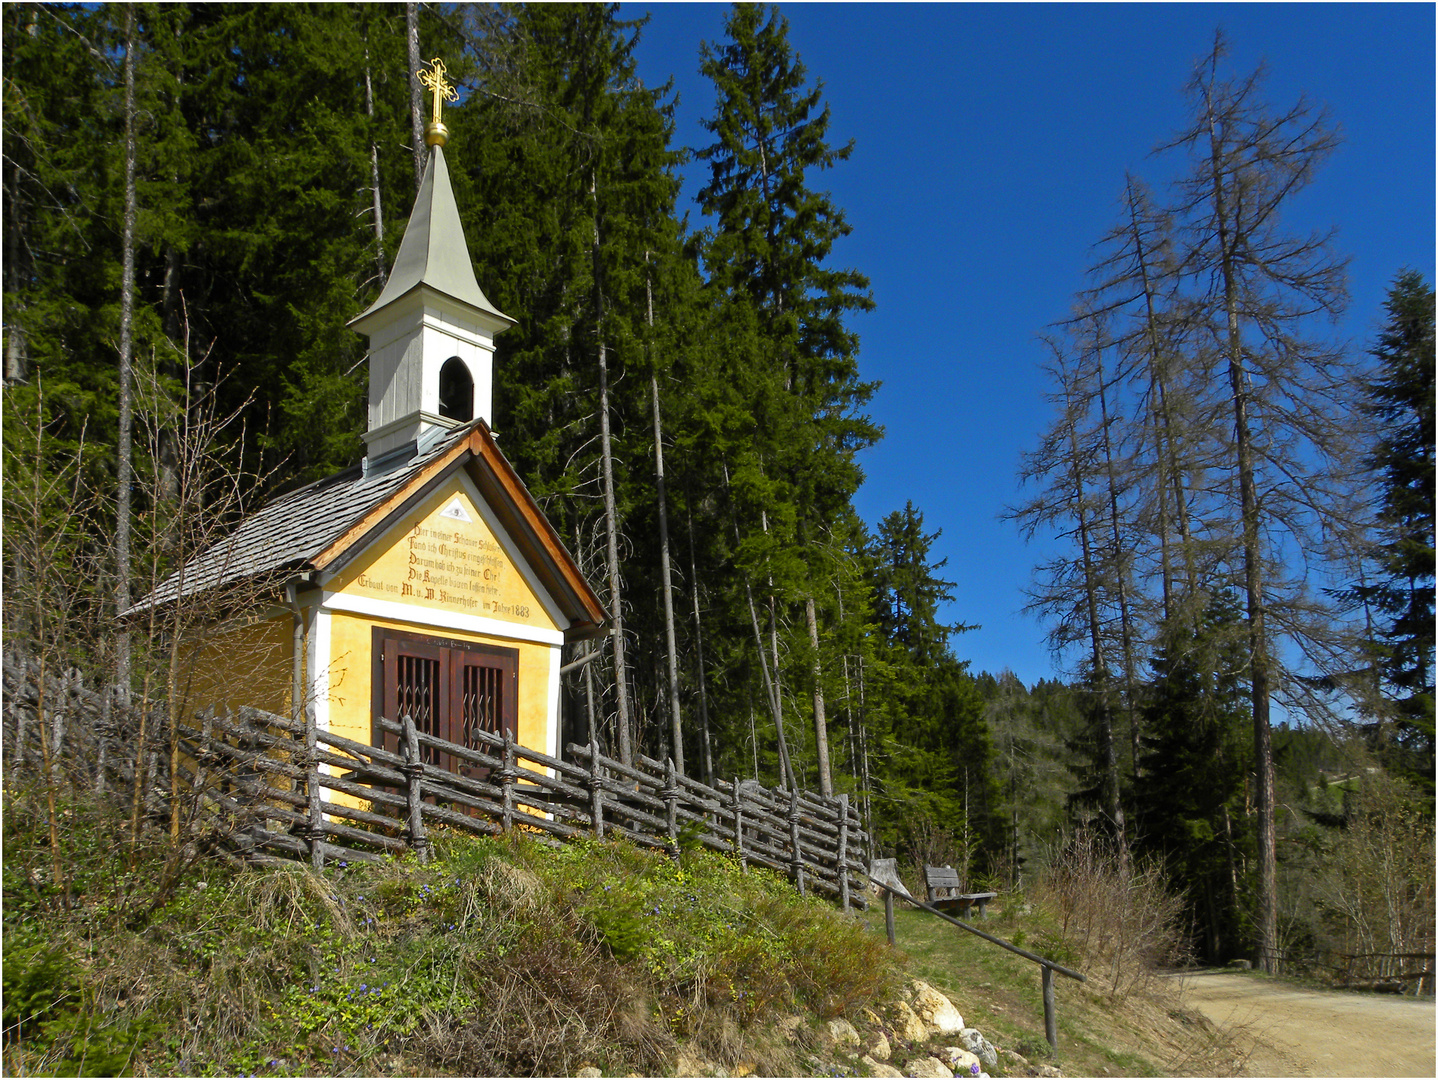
{"x":433,"y":251}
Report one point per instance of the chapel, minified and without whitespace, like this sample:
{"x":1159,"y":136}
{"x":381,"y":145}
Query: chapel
{"x":425,"y":580}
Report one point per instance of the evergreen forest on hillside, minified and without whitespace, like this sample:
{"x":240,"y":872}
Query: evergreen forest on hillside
{"x":197,"y":198}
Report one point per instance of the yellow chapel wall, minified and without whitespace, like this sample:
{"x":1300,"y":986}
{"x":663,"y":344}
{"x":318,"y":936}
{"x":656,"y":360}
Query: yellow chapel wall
{"x":246,"y":663}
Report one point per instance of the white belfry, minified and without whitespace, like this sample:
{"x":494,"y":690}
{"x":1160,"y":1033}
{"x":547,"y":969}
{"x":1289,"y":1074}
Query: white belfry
{"x":431,"y":332}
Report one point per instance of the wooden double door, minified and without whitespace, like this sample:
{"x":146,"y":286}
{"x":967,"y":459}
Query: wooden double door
{"x":451,"y":688}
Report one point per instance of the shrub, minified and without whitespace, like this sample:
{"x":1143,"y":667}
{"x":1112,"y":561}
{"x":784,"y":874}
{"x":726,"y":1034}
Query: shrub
{"x":1117,"y":920}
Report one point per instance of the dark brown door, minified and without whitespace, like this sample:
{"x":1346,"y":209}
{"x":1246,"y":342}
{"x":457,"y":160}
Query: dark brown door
{"x":451,"y":689}
{"x":482,"y":698}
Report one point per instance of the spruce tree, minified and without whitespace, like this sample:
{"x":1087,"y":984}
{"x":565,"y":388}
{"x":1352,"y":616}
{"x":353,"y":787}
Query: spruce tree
{"x":1189,"y":792}
{"x":1402,"y":402}
{"x":568,"y":187}
{"x":768,"y":248}
{"x":937,"y":765}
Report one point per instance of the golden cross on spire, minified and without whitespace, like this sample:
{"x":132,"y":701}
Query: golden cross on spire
{"x":435,"y":132}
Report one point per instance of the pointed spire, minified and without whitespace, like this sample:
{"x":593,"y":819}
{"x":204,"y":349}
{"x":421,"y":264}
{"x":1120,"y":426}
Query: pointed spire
{"x":433,"y":251}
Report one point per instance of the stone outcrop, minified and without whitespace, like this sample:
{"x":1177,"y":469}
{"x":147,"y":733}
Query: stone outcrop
{"x":919,"y":1035}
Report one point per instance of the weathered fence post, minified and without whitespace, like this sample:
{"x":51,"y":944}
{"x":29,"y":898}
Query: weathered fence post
{"x":843,"y":866}
{"x":1051,"y":1020}
{"x":315,"y":826}
{"x":507,"y":776}
{"x":413,"y":769}
{"x":739,"y":827}
{"x":889,"y":915}
{"x":596,"y":789}
{"x":798,"y":857}
{"x":670,"y":795}
{"x":204,"y":755}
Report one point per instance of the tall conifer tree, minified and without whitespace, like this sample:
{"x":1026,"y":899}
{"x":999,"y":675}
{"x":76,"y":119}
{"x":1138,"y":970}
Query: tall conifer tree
{"x":770,"y":245}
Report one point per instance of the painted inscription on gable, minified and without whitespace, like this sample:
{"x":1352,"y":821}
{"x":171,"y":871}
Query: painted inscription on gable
{"x":450,"y":560}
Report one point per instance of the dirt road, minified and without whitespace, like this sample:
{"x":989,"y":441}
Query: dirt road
{"x":1293,"y":1032}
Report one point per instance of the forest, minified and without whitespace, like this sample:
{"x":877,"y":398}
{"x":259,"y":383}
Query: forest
{"x":197,"y":198}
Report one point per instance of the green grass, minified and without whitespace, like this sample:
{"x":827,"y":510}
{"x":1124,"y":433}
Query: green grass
{"x":1001,"y":994}
{"x":498,"y":957}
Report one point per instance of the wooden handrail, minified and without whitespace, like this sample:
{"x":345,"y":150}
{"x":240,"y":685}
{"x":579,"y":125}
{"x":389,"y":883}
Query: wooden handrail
{"x":1047,"y":967}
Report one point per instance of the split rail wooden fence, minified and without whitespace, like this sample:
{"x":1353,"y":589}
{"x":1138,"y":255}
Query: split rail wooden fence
{"x":266,"y":779}
{"x":1396,"y":972}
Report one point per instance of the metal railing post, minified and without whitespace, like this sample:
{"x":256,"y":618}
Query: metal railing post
{"x":1047,"y":966}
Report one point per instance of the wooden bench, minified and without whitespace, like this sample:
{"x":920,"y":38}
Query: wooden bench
{"x":945,"y":880}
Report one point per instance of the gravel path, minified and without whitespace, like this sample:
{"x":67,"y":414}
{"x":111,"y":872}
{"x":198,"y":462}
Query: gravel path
{"x":1293,"y":1032}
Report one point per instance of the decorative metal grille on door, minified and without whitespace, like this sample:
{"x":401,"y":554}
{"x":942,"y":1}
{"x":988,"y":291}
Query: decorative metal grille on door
{"x":482,"y":700}
{"x":452,"y":689}
{"x":417,"y":694}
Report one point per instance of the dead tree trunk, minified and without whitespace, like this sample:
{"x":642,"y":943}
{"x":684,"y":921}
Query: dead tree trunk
{"x":127,"y":416}
{"x":416,"y":92}
{"x":821,"y":729}
{"x":611,"y":511}
{"x":380,"y":263}
{"x":671,"y":651}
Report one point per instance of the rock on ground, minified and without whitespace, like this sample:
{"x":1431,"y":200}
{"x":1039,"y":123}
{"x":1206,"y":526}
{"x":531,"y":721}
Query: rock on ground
{"x":935,"y":1010}
{"x":881,"y":1050}
{"x":841,"y":1033}
{"x":878,"y":1068}
{"x":907,"y":1025}
{"x":688,"y":1065}
{"x":927,"y":1066}
{"x":974,"y":1042}
{"x":962,"y":1062}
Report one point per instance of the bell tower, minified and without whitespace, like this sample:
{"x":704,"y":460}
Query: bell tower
{"x":431,"y":332}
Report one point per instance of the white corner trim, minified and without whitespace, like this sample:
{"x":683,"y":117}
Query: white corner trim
{"x":322,"y":669}
{"x":435,"y":618}
{"x":555,"y":732}
{"x":318,"y":662}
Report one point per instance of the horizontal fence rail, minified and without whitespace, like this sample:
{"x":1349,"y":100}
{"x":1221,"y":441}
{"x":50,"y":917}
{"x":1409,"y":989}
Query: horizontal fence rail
{"x":273,"y":779}
{"x":1383,"y":971}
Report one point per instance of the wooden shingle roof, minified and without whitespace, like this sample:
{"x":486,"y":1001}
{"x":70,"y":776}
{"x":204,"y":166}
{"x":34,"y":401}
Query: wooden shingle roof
{"x":324,"y":526}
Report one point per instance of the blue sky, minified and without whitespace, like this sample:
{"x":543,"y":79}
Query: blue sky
{"x":991,"y":143}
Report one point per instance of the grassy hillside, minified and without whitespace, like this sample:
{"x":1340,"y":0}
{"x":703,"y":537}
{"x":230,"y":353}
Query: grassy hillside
{"x":1140,"y":1030}
{"x":499,"y":957}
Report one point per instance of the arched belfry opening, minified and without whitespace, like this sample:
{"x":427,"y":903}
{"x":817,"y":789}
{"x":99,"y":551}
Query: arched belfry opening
{"x":456,"y":391}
